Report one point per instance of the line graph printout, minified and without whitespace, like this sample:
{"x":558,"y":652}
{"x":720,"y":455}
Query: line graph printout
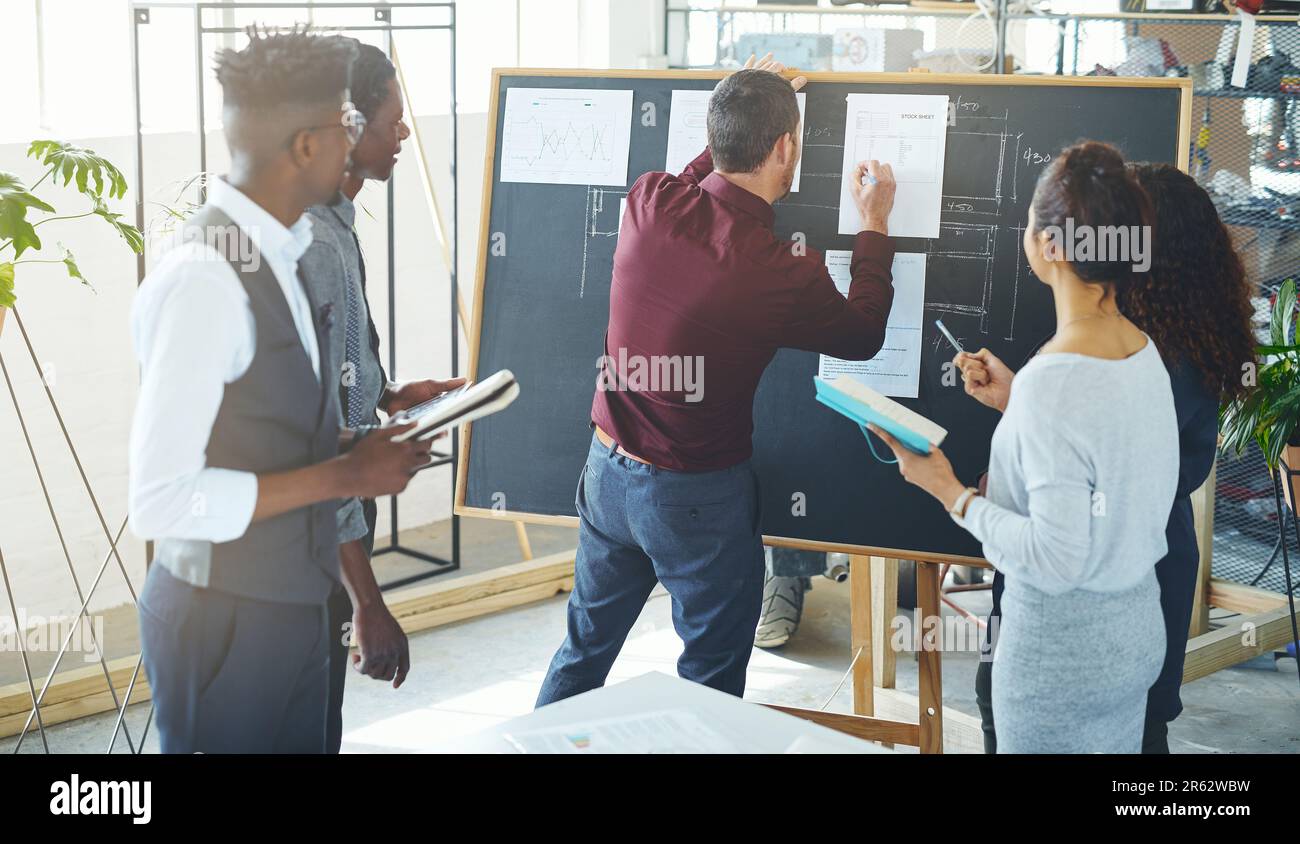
{"x":566,"y":136}
{"x":688,"y":133}
{"x":896,"y":368}
{"x":909,"y":132}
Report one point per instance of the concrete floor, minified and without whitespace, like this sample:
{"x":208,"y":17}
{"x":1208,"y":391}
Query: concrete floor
{"x":473,"y":674}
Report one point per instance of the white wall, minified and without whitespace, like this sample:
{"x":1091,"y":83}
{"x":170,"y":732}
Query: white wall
{"x":83,"y":341}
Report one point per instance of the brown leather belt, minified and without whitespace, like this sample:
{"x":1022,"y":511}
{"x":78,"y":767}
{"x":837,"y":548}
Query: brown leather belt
{"x":608,"y":441}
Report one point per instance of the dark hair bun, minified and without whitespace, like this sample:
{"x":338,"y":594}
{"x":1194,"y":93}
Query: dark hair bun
{"x":1091,"y":159}
{"x":1089,"y":187}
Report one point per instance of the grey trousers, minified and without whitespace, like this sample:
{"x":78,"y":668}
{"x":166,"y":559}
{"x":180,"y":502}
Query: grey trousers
{"x":232,"y":674}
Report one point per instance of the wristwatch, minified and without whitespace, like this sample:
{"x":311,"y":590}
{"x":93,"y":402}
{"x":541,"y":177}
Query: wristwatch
{"x":959,"y":506}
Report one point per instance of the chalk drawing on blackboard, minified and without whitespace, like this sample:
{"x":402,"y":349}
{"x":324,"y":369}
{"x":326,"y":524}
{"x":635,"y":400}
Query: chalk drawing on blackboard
{"x":961,"y":252}
{"x":566,"y":136}
{"x":976,"y":186}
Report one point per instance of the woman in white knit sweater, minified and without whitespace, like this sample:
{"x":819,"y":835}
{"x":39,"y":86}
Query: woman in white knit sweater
{"x":1082,"y":475}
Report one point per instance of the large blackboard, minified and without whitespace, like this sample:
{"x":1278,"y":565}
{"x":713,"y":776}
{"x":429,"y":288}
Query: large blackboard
{"x":541,"y":307}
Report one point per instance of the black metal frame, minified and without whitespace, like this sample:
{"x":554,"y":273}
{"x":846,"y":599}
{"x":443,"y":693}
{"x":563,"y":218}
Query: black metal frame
{"x":1291,"y":474}
{"x":140,"y":15}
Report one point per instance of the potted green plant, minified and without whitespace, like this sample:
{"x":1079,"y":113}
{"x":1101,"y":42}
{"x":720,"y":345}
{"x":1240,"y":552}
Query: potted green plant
{"x":90,"y":175}
{"x":1268,"y":414}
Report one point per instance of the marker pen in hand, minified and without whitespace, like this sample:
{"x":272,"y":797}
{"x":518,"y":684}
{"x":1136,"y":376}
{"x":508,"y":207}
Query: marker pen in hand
{"x":948,"y":334}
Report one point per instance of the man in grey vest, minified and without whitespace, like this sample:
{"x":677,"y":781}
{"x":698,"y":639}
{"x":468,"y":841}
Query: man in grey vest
{"x":334,"y":268}
{"x":235,"y":464}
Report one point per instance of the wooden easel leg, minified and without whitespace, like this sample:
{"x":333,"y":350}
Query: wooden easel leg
{"x":860,"y":634}
{"x":1203,"y":519}
{"x":525,"y":547}
{"x":884,"y":606}
{"x":930,"y":658}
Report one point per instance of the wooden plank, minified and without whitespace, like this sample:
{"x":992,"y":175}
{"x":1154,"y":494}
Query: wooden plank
{"x":1238,"y":597}
{"x":1203,"y":525}
{"x":858,"y":726}
{"x":961,"y":732}
{"x":1245,"y":638}
{"x":884,"y":606}
{"x":903,"y":78}
{"x":777,"y":541}
{"x":929,"y":666}
{"x":485,"y":605}
{"x":82,"y":691}
{"x":480,"y":277}
{"x":427,"y":597}
{"x":75,"y":693}
{"x":860,"y":632}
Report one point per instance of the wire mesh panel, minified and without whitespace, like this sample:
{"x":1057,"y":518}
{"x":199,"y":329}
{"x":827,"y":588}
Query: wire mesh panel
{"x":1247,"y":543}
{"x":1245,"y":147}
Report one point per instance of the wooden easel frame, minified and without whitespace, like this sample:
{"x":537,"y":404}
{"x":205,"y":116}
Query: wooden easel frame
{"x":927,"y":733}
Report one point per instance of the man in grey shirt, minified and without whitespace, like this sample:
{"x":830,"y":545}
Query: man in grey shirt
{"x":333,"y":264}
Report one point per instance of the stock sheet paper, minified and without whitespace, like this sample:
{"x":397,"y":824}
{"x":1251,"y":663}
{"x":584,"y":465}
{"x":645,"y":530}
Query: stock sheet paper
{"x":910,"y":133}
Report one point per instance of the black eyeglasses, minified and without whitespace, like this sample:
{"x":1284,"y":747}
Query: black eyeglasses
{"x":351,"y":119}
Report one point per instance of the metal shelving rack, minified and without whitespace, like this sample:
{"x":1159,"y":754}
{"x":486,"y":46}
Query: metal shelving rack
{"x":1276,"y":212}
{"x":383,"y":22}
{"x":729,"y":23}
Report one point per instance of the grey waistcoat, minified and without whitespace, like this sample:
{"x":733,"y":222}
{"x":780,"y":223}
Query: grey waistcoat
{"x":275,"y":417}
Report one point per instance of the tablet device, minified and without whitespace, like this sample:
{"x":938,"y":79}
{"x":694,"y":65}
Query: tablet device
{"x":458,"y":406}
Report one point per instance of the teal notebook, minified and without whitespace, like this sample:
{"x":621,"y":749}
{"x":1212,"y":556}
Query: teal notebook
{"x":864,"y":406}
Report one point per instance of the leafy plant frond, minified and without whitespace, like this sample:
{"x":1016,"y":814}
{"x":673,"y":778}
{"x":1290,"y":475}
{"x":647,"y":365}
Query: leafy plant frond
{"x":81,"y":165}
{"x":133,"y":237}
{"x":15,"y":199}
{"x":1269,"y":414}
{"x":70,"y":262}
{"x":1283,"y":313}
{"x":7,"y":297}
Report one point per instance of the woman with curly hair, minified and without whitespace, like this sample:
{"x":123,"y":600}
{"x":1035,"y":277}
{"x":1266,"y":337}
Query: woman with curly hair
{"x":1083,"y":471}
{"x":1195,"y":303}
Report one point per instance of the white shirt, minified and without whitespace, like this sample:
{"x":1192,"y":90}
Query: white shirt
{"x":1082,"y":473}
{"x":193,"y":331}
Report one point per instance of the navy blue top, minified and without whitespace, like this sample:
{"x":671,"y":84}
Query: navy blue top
{"x":1197,"y":409}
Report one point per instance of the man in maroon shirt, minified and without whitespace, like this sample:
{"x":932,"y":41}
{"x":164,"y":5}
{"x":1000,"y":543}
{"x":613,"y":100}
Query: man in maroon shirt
{"x":702,"y":296}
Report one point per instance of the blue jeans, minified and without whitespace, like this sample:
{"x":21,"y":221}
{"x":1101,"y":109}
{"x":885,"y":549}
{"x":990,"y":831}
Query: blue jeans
{"x":695,"y":532}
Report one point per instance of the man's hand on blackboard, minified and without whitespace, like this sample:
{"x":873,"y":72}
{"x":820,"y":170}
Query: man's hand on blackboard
{"x":931,"y":472}
{"x":769,"y":64}
{"x":872,"y":186}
